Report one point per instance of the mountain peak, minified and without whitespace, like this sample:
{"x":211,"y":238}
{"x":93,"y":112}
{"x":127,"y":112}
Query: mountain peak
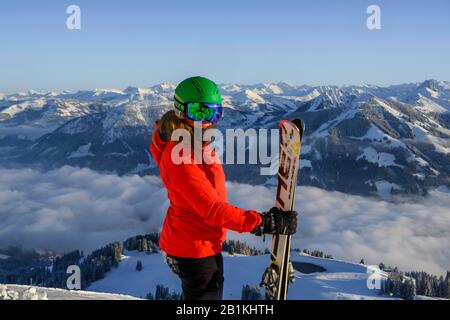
{"x":430,"y":84}
{"x":164,"y":87}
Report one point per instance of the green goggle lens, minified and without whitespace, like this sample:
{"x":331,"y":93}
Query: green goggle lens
{"x":198,"y":111}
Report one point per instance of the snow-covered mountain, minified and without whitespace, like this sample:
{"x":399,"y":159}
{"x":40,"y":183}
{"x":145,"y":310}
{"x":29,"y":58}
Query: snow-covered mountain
{"x":135,"y":269}
{"x":359,"y":139}
{"x":333,"y":280}
{"x":316,"y":279}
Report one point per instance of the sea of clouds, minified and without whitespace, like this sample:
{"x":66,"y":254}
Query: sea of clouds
{"x":71,"y":208}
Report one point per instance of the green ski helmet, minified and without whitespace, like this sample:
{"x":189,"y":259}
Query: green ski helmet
{"x":198,"y":99}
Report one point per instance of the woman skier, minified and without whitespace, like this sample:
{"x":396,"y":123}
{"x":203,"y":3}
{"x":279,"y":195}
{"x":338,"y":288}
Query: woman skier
{"x":199,"y":215}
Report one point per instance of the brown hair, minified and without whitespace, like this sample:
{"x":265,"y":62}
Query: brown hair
{"x":169,"y":122}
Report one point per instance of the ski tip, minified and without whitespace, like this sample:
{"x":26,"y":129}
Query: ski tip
{"x":300,"y":124}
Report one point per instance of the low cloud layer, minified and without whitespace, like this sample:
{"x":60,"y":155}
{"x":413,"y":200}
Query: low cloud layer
{"x":411,"y":235}
{"x":72,"y":208}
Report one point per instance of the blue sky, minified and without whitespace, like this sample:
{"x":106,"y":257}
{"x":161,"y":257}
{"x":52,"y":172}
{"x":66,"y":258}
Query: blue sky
{"x":142,"y":43}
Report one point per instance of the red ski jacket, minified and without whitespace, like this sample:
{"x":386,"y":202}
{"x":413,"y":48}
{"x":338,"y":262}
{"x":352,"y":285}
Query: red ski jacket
{"x":199,"y":215}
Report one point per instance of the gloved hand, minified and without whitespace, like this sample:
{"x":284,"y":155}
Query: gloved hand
{"x":277,"y":221}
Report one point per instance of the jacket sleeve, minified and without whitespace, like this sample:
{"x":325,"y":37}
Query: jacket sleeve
{"x":190,"y":181}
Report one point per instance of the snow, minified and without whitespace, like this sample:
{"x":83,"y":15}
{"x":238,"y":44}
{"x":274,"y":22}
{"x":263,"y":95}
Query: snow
{"x":21,"y":292}
{"x":49,"y":150}
{"x":419,"y":297}
{"x":375,"y":134}
{"x":273,"y":88}
{"x":26,"y":131}
{"x":142,"y":167}
{"x":310,"y":96}
{"x":139,"y":93}
{"x":230,"y":88}
{"x":272,"y":181}
{"x":164,"y":87}
{"x":126,"y":280}
{"x":387,"y":107}
{"x":384,"y":188}
{"x":440,"y":145}
{"x":382,"y":159}
{"x":18,"y":108}
{"x":279,"y":101}
{"x":306,"y":149}
{"x":421,"y":162}
{"x":82,"y":151}
{"x":419,"y":132}
{"x":305,"y":163}
{"x":443,"y":130}
{"x":444,"y":189}
{"x":429,"y":106}
{"x":330,"y":96}
{"x":419,"y":176}
{"x":98,"y":92}
{"x":322,"y":131}
{"x":341,"y":280}
{"x":248,"y":98}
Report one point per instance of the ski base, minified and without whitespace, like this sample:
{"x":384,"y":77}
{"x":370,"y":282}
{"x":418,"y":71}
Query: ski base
{"x":280,"y":272}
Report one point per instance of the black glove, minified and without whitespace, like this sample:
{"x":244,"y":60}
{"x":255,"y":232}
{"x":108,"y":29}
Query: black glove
{"x":277,"y":221}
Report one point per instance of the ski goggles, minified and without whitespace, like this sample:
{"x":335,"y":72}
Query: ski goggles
{"x":200,"y":111}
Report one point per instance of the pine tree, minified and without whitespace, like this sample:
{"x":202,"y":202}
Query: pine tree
{"x":428,"y":287}
{"x":409,"y":289}
{"x":150,"y":246}
{"x":139,"y":265}
{"x":162,"y":293}
{"x":397,"y":289}
{"x":250,"y":293}
{"x":447,"y":286}
{"x":385,"y":287}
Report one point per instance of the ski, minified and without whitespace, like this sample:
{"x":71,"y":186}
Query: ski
{"x":280,"y":272}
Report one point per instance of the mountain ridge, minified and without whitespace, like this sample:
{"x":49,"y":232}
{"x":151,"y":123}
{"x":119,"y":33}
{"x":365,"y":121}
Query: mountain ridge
{"x":351,"y":131}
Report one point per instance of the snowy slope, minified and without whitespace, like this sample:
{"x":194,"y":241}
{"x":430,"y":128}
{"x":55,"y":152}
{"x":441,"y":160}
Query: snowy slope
{"x":341,"y":280}
{"x":16,"y":292}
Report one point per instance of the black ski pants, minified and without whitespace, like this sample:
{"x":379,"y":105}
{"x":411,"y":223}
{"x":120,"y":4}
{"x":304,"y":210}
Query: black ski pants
{"x":201,"y":279}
